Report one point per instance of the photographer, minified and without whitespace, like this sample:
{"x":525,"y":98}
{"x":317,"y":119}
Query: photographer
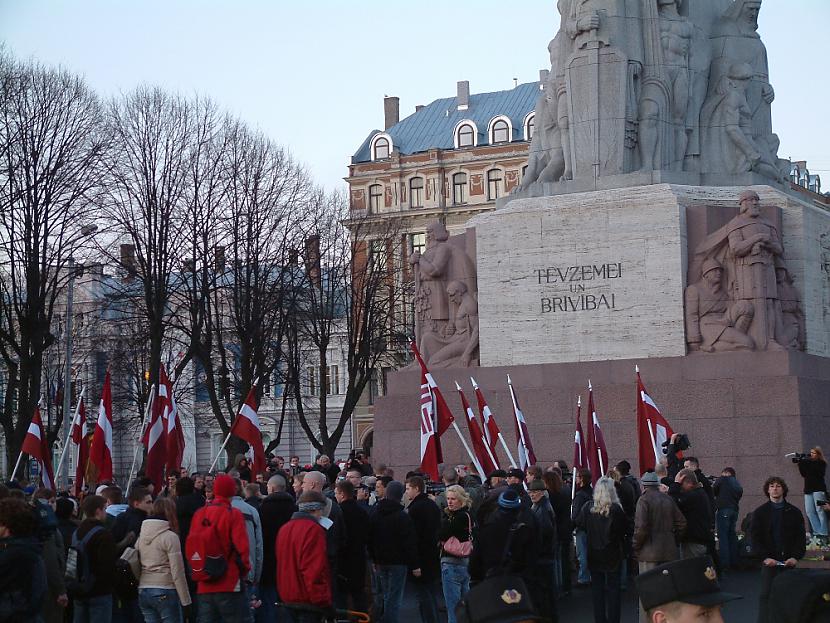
{"x":677,"y":443}
{"x":812,"y":468}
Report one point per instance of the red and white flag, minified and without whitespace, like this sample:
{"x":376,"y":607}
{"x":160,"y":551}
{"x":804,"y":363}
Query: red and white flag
{"x":429,"y":440}
{"x":523,"y":443}
{"x":175,"y":433}
{"x":491,"y":429}
{"x":652,"y":429}
{"x":36,"y":446}
{"x":597,"y":454}
{"x":246,"y":427}
{"x":155,"y":440}
{"x":80,"y":440}
{"x":580,"y":449}
{"x":101,"y":451}
{"x":442,"y":417}
{"x":485,"y":459}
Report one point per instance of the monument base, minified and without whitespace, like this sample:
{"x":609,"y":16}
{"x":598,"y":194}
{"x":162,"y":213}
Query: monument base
{"x":743,"y":409}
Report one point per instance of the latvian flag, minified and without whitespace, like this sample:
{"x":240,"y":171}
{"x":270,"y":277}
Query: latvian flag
{"x":101,"y":452}
{"x":652,"y":429}
{"x":246,"y":427}
{"x":523,"y":443}
{"x":36,"y":446}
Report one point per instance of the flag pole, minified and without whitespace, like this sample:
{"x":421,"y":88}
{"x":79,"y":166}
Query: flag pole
{"x":653,"y":444}
{"x":490,"y":452}
{"x":141,"y":435}
{"x":573,"y":477}
{"x":518,"y":424}
{"x":16,"y":465}
{"x":69,"y":434}
{"x":227,"y":439}
{"x":599,"y":452}
{"x":469,"y":452}
{"x":507,"y":450}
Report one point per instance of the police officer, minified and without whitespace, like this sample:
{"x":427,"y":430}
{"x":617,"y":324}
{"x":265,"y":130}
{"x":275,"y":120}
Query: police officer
{"x":683,"y":591}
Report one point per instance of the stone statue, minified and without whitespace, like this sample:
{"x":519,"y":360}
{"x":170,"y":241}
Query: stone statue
{"x":791,"y":333}
{"x":713,"y":322}
{"x":441,"y":263}
{"x":457,"y":344}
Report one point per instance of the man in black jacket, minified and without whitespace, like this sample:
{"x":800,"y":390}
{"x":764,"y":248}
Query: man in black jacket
{"x":778,"y":537}
{"x":96,"y":605}
{"x":351,"y":575}
{"x":542,"y":588}
{"x":583,"y":495}
{"x":693,"y":502}
{"x":129,"y":522}
{"x":274,"y":512}
{"x":728,"y":492}
{"x":426,"y":517}
{"x":392,"y":547}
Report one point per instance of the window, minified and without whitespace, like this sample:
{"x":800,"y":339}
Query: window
{"x":459,"y":188}
{"x":311,"y":381}
{"x":332,"y":380}
{"x":530,"y":127}
{"x":375,"y":196}
{"x":466,"y":136}
{"x":417,"y":242}
{"x":381,"y":148}
{"x":416,"y":192}
{"x":377,"y":254}
{"x":494,"y":180}
{"x":501,"y":132}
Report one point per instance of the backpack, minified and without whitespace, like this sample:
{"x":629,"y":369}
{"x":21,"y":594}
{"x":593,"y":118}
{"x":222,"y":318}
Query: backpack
{"x":78,"y":577}
{"x":126,"y":579}
{"x":205,"y":551}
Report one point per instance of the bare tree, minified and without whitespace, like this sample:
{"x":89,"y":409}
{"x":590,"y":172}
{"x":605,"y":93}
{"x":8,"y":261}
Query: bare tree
{"x":51,"y":148}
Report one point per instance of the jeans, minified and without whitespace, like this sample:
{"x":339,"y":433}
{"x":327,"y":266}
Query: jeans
{"x":606,"y":593}
{"x":584,"y":576}
{"x":818,"y":518}
{"x":93,"y":610}
{"x":726,"y":520}
{"x":427,"y":602}
{"x":268,"y":612}
{"x":223,"y":607}
{"x":455,"y":580}
{"x":160,"y":605}
{"x":564,"y":551}
{"x":391,"y":581}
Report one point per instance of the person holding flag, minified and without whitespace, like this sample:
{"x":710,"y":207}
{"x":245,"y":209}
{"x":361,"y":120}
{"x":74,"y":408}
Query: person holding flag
{"x":652,"y":429}
{"x":37,"y":447}
{"x":100,"y":454}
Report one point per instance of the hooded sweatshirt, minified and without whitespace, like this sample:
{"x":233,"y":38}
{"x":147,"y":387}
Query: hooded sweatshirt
{"x":162,"y":565}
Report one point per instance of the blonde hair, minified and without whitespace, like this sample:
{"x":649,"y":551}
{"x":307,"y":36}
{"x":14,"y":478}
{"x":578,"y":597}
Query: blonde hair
{"x":818,"y":451}
{"x":605,"y":496}
{"x":462,"y":495}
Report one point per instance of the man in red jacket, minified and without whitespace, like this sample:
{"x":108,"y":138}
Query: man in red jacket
{"x":224,"y":598}
{"x":303,"y":579}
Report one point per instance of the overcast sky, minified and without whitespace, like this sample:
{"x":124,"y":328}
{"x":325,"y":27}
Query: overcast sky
{"x":312,"y":74}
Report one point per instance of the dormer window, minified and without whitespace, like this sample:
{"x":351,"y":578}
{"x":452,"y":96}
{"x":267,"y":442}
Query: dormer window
{"x":381,"y":147}
{"x":500,"y":130}
{"x":530,"y":126}
{"x":466,"y":135}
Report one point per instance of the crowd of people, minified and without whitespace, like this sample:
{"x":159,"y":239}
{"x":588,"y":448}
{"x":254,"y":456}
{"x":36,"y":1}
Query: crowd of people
{"x":311,"y":543}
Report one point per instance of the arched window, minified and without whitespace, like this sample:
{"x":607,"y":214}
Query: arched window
{"x":381,"y":148}
{"x":494,"y":181}
{"x":530,"y":126}
{"x":500,"y":132}
{"x":466,"y":135}
{"x":459,"y":188}
{"x":375,"y":195}
{"x":416,"y":192}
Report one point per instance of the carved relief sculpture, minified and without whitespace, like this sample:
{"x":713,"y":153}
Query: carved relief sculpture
{"x":792,"y":330}
{"x":457,"y":343}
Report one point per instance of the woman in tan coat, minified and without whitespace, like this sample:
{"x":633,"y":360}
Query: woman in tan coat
{"x":162,"y":589}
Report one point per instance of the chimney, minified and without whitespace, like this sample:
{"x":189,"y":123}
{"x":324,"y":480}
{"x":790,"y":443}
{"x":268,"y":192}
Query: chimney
{"x":543,"y":78}
{"x":312,"y":260}
{"x":391,"y":111}
{"x":419,"y":107}
{"x":128,"y":260}
{"x":463,"y":97}
{"x":293,"y":257}
{"x":219,"y":258}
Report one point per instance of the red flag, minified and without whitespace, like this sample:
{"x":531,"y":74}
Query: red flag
{"x":429,"y":441}
{"x":491,"y":429}
{"x":597,"y":454}
{"x":101,"y":451}
{"x":652,"y":429}
{"x":523,"y":443}
{"x":175,"y":434}
{"x":36,"y":446}
{"x":246,"y":427}
{"x":79,"y":439}
{"x":155,"y":438}
{"x":485,"y":461}
{"x":442,"y":415}
{"x":580,"y":451}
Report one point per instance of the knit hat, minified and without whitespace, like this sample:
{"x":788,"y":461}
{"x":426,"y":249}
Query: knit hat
{"x":650,"y":479}
{"x":394,"y":491}
{"x":224,"y":486}
{"x":509,"y":499}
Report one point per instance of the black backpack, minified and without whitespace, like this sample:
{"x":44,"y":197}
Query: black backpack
{"x":79,"y":578}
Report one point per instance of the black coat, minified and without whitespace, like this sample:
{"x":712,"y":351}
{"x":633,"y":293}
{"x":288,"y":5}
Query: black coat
{"x":458,"y":524}
{"x":186,"y":507}
{"x":813,"y":471}
{"x":697,"y":509}
{"x":392,"y":539}
{"x":426,"y":517}
{"x":274,"y":512}
{"x":584,"y":495}
{"x":793,"y":538}
{"x":352,"y":565}
{"x":491,"y":542}
{"x":546,"y":522}
{"x":22,"y":579}
{"x":128,"y":521}
{"x":606,"y":537}
{"x":561,"y":503}
{"x":102,"y":556}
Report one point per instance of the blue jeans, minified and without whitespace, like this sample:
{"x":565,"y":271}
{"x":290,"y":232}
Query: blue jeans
{"x":455,"y":580}
{"x":817,"y":516}
{"x":584,"y":576}
{"x":391,"y":582}
{"x":160,"y":605}
{"x":427,"y":602}
{"x":606,"y":592}
{"x":93,"y":610}
{"x":726,"y":520}
{"x":223,"y":607}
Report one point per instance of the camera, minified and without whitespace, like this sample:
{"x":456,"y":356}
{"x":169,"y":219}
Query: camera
{"x":798,"y":456}
{"x":680,"y":445}
{"x":434,"y":488}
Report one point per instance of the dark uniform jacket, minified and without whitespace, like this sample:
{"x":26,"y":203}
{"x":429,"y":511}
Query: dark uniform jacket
{"x":426,"y":517}
{"x":792,"y":542}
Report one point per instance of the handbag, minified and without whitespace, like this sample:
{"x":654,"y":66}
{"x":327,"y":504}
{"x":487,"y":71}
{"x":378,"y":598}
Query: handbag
{"x":461,"y":549}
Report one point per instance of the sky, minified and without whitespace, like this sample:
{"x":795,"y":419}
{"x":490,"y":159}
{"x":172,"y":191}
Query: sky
{"x":312,"y":74}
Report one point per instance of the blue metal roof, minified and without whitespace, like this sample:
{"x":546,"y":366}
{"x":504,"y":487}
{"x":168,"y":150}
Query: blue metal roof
{"x":432,"y":126}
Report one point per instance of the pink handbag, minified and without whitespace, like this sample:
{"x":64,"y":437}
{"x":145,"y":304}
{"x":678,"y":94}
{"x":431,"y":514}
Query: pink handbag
{"x":460,"y":549}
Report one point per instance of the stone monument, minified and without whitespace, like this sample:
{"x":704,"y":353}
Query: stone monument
{"x":654,"y":226}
